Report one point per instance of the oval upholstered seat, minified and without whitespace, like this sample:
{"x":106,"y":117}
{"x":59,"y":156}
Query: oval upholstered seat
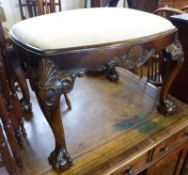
{"x":86,"y":27}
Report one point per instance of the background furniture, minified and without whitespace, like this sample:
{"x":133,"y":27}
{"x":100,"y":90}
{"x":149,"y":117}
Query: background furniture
{"x":173,"y":3}
{"x":144,"y":5}
{"x":155,"y":70}
{"x":6,"y":159}
{"x":169,"y":8}
{"x":38,"y":7}
{"x":167,"y":12}
{"x":102,"y":3}
{"x":180,"y":86}
{"x":41,"y":7}
{"x":152,"y":5}
{"x":165,"y":9}
{"x":14,"y":73}
{"x":11,"y":117}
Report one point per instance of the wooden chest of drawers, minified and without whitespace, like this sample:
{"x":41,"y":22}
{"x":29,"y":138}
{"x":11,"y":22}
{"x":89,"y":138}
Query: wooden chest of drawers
{"x":119,"y":133}
{"x":131,"y":136}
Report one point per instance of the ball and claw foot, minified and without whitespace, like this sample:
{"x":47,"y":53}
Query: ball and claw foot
{"x":167,"y":107}
{"x":60,"y":160}
{"x":112,"y":75}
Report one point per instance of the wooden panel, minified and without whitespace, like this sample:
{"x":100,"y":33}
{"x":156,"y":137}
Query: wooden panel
{"x":133,"y":166}
{"x":145,"y":5}
{"x":165,"y":3}
{"x":180,"y":4}
{"x":173,"y":3}
{"x":169,"y":144}
{"x":152,"y":5}
{"x":171,"y":164}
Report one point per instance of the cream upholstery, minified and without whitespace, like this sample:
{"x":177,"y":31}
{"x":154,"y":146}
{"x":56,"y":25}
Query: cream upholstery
{"x":85,"y":27}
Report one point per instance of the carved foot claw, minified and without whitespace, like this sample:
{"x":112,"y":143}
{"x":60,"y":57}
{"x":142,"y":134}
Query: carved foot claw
{"x":60,"y":160}
{"x":167,"y":107}
{"x":112,"y":75}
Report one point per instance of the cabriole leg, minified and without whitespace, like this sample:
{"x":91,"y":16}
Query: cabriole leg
{"x":59,"y":158}
{"x":174,"y":60}
{"x":49,"y":88}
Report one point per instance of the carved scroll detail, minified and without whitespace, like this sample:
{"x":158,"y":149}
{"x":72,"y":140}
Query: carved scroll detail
{"x":135,"y":56}
{"x":172,"y":63}
{"x":50,"y":85}
{"x":49,"y":90}
{"x":175,"y":49}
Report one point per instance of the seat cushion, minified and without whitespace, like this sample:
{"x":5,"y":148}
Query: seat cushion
{"x":87,"y":27}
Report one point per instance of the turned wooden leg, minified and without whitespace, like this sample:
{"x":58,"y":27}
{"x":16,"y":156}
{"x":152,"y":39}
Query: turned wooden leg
{"x":16,"y":118}
{"x":5,"y":155}
{"x":18,"y":115}
{"x":5,"y":118}
{"x":14,"y":66}
{"x":12,"y":101}
{"x":174,"y":60}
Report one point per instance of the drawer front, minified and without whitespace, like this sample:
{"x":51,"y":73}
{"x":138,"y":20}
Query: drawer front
{"x":170,"y":144}
{"x":132,"y":167}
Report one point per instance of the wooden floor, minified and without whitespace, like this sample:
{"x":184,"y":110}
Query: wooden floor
{"x":85,"y":99}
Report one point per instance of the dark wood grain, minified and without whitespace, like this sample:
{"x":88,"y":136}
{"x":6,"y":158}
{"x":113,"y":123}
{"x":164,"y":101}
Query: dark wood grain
{"x":15,"y":70}
{"x":144,"y":5}
{"x":6,"y":157}
{"x":180,"y":86}
{"x":10,"y":120}
{"x":35,"y":7}
{"x":152,"y":5}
